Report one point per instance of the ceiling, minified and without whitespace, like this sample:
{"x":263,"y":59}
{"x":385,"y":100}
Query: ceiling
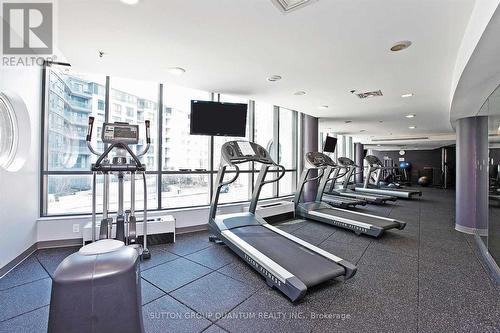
{"x":326,"y":49}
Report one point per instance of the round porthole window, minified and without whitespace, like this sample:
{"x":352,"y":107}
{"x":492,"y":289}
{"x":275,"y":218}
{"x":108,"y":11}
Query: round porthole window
{"x":14,"y":120}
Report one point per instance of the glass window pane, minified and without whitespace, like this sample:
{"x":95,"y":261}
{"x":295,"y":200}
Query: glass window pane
{"x":264,"y":126}
{"x":72,"y":194}
{"x":286,"y":138}
{"x":267,"y":190}
{"x":180,"y":149}
{"x":71,"y":99}
{"x":220,"y":140}
{"x":184,"y":190}
{"x":237,"y":191}
{"x":286,"y":184}
{"x":151,"y":185}
{"x":134,"y":102}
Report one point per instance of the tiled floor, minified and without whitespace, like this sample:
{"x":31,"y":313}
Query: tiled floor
{"x":425,"y":278}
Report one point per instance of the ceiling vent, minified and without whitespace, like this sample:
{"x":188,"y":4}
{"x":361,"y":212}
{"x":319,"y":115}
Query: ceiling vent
{"x":287,"y":6}
{"x":401,"y":139}
{"x":370,"y":94}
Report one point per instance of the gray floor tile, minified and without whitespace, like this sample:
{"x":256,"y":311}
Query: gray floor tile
{"x":27,"y":271}
{"x":348,"y":236}
{"x":213,"y":295}
{"x":398,"y":242}
{"x":266,"y":311}
{"x":351,"y":252}
{"x":449,"y":308}
{"x":213,"y":257}
{"x":362,"y":310}
{"x":18,"y":300}
{"x":390,"y":261}
{"x":174,"y":274}
{"x":159,"y":255}
{"x":51,"y":258}
{"x":168,"y":315}
{"x":149,"y":292}
{"x":33,"y":322}
{"x":241,"y":271}
{"x":189,"y":243}
{"x":214,"y":329}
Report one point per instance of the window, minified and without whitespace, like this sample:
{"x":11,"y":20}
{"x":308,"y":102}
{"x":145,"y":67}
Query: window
{"x":186,"y":158}
{"x":67,"y":113}
{"x":140,"y":100}
{"x":181,"y":168}
{"x":8,"y":132}
{"x":264,"y":136}
{"x":220,"y":140}
{"x":287,"y":150}
{"x":180,"y":149}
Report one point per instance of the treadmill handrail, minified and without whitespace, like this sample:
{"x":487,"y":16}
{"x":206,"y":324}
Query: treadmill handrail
{"x":260,"y":182}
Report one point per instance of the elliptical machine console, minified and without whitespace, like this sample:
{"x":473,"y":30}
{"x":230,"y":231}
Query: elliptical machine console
{"x":119,"y":136}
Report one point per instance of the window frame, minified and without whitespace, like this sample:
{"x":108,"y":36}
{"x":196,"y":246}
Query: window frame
{"x":213,"y":165}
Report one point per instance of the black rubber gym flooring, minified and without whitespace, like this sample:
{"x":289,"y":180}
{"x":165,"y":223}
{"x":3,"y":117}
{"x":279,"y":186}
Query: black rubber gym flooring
{"x":426,"y":278}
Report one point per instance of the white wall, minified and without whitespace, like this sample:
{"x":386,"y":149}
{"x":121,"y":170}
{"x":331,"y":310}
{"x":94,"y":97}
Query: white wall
{"x":19,"y":190}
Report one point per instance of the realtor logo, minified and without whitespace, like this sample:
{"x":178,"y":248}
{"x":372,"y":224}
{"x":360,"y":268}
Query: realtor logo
{"x":27,"y":28}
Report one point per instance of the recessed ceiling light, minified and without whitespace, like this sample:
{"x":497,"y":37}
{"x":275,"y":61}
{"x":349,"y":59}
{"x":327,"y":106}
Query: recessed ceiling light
{"x":348,"y":121}
{"x":412,"y":127}
{"x":407,"y":95}
{"x":274,"y":78}
{"x":411,"y":115}
{"x":400,"y":46}
{"x":299,"y":93}
{"x":176,"y":71}
{"x":130,"y":2}
{"x":323,"y":107}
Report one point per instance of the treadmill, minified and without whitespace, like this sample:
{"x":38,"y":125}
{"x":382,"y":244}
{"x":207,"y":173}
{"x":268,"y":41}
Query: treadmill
{"x":285,"y":261}
{"x":372,"y":182}
{"x":333,"y":198}
{"x":350,"y":167}
{"x":360,"y":223}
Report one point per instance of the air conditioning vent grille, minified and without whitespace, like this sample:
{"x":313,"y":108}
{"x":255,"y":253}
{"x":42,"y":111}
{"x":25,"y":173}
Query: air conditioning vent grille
{"x":370,"y":94}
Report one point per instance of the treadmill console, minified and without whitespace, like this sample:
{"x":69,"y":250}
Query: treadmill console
{"x":317,"y":159}
{"x":244,"y":151}
{"x":344,"y":161}
{"x":120,"y":132}
{"x":373,"y":160}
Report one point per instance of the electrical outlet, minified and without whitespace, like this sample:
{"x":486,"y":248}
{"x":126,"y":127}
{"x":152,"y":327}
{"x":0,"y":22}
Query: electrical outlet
{"x":76,"y":228}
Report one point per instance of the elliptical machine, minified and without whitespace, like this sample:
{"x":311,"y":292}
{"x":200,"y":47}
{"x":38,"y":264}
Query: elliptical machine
{"x":119,"y":136}
{"x":88,"y":286}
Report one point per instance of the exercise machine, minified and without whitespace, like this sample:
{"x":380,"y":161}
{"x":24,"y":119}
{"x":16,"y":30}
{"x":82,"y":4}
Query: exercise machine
{"x":372,"y":185}
{"x":119,"y":136}
{"x":344,"y":190}
{"x":285,"y":261}
{"x":98,"y":288}
{"x":330,"y":172}
{"x":360,"y":223}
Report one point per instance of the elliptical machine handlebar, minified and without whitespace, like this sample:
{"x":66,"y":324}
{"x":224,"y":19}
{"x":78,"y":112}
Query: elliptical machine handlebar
{"x":148,"y":139}
{"x":89,"y":137}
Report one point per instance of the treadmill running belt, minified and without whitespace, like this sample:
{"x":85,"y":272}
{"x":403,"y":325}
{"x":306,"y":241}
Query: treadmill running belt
{"x":382,"y":223}
{"x":311,"y":268}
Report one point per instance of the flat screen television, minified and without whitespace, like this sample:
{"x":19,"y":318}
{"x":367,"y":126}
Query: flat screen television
{"x":219,"y":119}
{"x":330,"y":144}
